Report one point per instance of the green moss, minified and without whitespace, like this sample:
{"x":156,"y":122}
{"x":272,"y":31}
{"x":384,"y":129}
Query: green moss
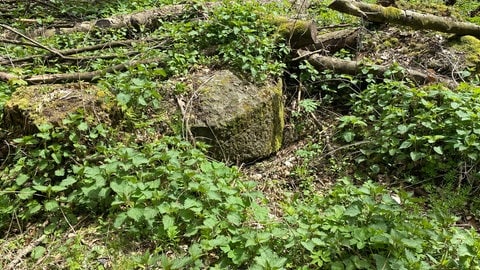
{"x":278,"y":117}
{"x":32,"y":106}
{"x":391,"y":12}
{"x":471,"y":46}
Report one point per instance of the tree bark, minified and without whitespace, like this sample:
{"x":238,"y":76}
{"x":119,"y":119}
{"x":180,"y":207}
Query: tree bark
{"x":334,"y":41}
{"x":297,"y":33}
{"x":377,"y":13}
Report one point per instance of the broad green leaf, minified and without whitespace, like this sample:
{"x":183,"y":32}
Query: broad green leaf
{"x":58,"y":188}
{"x":402,"y":129}
{"x":416,"y":155}
{"x":83,"y":126}
{"x":118,"y":187}
{"x":438,"y":150}
{"x":51,"y":205}
{"x":348,"y":136}
{"x":123,"y":98}
{"x":168,"y":222}
{"x":135,"y":213}
{"x":41,"y":188}
{"x":352,"y":211}
{"x":68,"y":181}
{"x":21,"y":179}
{"x":119,"y":220}
{"x":60,"y":172}
{"x":57,"y":157}
{"x":405,"y":144}
{"x":37,"y":252}
{"x":26,"y":193}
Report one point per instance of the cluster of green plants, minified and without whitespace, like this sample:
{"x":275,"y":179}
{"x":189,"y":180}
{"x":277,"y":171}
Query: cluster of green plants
{"x":430,"y":132}
{"x":208,"y":215}
{"x":192,"y":212}
{"x":370,"y":227}
{"x":237,"y":35}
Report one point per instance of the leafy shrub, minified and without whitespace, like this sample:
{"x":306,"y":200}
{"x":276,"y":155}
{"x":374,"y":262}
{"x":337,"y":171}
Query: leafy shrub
{"x":38,"y":177}
{"x":166,"y":190}
{"x":430,"y":132}
{"x":366,"y":228}
{"x":244,"y":38}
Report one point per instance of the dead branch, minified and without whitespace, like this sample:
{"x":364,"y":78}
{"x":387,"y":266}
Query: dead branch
{"x":31,"y":40}
{"x":88,"y":76}
{"x":297,"y":33}
{"x":148,"y":19}
{"x":354,"y":68}
{"x":416,"y":20}
{"x":22,"y":253}
{"x":111,"y":44}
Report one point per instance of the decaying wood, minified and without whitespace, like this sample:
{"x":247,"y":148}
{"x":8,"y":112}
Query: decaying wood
{"x":334,"y":41}
{"x":148,"y":19}
{"x":354,"y":68}
{"x":297,"y":33}
{"x":110,"y":44}
{"x":23,"y":252}
{"x":38,"y":44}
{"x":416,"y":20}
{"x":78,"y":76}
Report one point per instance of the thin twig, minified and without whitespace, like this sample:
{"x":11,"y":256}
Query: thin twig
{"x":344,"y":147}
{"x":25,"y":251}
{"x":308,"y":54}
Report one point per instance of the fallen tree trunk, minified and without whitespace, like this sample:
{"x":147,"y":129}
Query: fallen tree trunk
{"x":148,"y":19}
{"x":354,"y":68}
{"x":334,"y":41}
{"x":297,"y":33}
{"x":377,"y":13}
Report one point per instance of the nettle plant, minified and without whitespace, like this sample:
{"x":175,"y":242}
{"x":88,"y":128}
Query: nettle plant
{"x":369,"y":227}
{"x":430,"y":132}
{"x":37,"y":179}
{"x":244,"y":38}
{"x":166,"y":190}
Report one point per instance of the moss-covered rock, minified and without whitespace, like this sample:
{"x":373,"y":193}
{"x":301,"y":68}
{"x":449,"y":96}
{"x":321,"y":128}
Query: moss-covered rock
{"x":32,"y":106}
{"x":241,"y":121}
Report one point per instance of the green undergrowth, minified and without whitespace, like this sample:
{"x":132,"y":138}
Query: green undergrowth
{"x":135,"y":197}
{"x":424,"y":136}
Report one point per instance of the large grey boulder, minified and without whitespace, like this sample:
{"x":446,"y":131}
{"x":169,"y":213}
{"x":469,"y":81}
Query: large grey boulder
{"x":241,"y":121}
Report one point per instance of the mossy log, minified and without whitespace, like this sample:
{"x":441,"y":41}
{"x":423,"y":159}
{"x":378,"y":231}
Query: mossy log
{"x":378,"y":13}
{"x":354,"y":68}
{"x":297,"y":33}
{"x":334,"y":41}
